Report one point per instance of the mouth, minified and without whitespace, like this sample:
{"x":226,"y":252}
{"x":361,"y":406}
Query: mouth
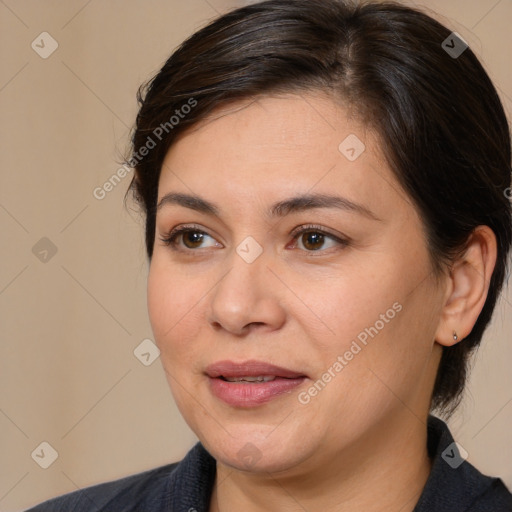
{"x":248,"y":378}
{"x":251,"y":383}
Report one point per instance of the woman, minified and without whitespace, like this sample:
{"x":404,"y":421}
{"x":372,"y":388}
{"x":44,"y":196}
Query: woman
{"x":327,"y":223}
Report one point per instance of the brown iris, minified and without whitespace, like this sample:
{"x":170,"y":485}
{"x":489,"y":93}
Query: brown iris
{"x":312,"y":240}
{"x":192,"y":239}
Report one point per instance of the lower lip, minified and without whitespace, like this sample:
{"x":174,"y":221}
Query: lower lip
{"x":240,"y":394}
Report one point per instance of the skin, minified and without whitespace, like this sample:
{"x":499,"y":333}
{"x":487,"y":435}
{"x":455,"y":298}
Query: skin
{"x":363,"y":435}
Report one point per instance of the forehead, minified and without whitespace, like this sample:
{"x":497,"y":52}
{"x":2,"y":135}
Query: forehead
{"x":277,"y":146}
{"x":275,"y":127}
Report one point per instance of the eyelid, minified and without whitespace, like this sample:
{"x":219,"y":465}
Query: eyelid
{"x":305,"y":228}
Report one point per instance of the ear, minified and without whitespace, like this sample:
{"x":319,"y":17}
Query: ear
{"x":467,"y":287}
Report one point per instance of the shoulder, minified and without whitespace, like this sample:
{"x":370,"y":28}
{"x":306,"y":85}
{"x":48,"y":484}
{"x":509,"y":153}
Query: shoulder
{"x":454,"y":484}
{"x":496,"y":498}
{"x":166,"y":488}
{"x":141,"y":492}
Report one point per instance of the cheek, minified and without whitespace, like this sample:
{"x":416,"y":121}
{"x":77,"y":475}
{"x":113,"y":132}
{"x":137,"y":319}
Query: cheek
{"x":359,"y":306}
{"x":393,"y":369}
{"x":160,"y":298}
{"x":173,"y":306}
{"x":384,"y":324}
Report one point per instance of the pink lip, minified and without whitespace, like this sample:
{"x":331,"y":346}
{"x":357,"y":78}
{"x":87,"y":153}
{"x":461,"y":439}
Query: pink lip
{"x":240,"y":394}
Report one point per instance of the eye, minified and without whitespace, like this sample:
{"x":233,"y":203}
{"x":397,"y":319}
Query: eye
{"x":314,"y":238}
{"x":190,"y":237}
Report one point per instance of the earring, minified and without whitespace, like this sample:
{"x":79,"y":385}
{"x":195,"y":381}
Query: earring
{"x":455,"y":337}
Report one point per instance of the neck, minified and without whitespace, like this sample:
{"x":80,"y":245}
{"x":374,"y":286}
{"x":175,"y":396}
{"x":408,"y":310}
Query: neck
{"x":385,"y":470}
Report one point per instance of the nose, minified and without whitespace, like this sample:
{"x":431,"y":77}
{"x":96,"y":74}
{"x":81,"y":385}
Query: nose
{"x":246,"y":298}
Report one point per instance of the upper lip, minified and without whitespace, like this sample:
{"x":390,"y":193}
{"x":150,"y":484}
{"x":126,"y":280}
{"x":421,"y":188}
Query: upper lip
{"x":250,"y":368}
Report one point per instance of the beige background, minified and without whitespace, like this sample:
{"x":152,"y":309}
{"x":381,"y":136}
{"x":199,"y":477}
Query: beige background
{"x":69,"y":325}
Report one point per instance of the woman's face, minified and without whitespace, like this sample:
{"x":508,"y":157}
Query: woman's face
{"x":302,"y":252}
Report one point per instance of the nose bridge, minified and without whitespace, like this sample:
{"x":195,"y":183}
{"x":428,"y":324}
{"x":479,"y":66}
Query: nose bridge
{"x":240,"y":288}
{"x":242,"y":296}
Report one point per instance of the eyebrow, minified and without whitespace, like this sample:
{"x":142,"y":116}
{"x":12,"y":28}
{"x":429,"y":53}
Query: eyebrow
{"x":279,"y":209}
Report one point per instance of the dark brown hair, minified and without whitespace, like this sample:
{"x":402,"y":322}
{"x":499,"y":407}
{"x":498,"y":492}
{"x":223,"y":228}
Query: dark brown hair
{"x":439,"y":118}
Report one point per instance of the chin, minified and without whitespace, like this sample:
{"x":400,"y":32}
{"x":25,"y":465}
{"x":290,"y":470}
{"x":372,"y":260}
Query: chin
{"x":251,"y":450}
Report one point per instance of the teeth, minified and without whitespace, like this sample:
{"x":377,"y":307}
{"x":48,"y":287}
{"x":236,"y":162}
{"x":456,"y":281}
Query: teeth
{"x":261,"y":378}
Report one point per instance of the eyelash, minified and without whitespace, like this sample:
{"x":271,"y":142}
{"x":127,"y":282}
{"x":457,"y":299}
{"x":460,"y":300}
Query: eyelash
{"x":170,"y":239}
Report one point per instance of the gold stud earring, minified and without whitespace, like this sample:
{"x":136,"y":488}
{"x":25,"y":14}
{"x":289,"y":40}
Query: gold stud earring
{"x":455,"y":337}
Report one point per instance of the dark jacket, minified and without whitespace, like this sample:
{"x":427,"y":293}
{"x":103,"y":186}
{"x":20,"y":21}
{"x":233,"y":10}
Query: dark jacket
{"x":453,"y":485}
